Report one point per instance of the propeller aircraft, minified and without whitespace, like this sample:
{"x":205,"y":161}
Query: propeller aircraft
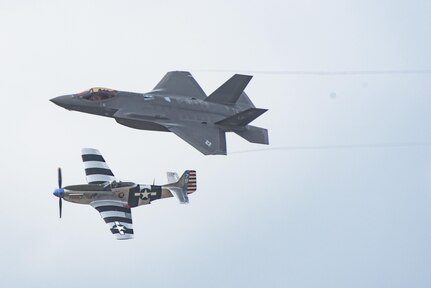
{"x":114,"y":199}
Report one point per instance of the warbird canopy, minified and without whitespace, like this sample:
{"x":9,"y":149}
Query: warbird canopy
{"x":179,"y":105}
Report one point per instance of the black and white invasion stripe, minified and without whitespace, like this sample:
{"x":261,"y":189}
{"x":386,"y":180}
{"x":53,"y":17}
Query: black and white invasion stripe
{"x":96,"y":169}
{"x":118,"y":217}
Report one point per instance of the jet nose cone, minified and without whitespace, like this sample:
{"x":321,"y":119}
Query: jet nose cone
{"x":59,"y":192}
{"x":62,"y":101}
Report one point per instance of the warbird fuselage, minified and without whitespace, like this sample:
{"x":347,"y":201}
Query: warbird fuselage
{"x":131,"y":193}
{"x":179,"y":105}
{"x":114,"y":199}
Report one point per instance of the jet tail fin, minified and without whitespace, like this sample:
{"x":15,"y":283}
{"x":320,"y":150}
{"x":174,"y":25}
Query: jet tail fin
{"x":244,"y":102}
{"x":242,"y":118}
{"x":230,"y":91}
{"x":184,"y":186}
{"x":254,"y":134}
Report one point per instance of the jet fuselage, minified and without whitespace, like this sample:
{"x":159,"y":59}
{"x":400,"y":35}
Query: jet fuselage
{"x":150,"y":108}
{"x":178,"y":104}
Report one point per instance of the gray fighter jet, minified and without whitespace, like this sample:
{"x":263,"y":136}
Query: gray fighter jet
{"x":179,"y":105}
{"x":114,"y":199}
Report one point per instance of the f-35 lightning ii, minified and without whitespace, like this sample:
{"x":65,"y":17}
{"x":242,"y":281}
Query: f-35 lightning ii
{"x":114,"y":199}
{"x":179,"y":105}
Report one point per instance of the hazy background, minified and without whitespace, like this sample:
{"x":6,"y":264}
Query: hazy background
{"x":282,"y":218}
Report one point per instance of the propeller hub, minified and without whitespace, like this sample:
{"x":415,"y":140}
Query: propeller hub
{"x":59,"y":192}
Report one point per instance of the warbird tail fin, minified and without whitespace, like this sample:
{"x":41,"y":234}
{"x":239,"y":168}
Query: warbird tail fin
{"x":230,"y":91}
{"x":184,"y":186}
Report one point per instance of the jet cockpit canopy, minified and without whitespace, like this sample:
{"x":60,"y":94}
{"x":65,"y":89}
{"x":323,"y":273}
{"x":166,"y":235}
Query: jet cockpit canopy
{"x":97,"y":94}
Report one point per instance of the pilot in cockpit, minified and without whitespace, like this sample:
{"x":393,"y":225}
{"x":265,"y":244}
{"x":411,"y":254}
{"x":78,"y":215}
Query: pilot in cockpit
{"x":97,"y":94}
{"x":115,"y":184}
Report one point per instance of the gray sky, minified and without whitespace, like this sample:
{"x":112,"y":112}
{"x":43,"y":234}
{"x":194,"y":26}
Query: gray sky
{"x":282,"y":218}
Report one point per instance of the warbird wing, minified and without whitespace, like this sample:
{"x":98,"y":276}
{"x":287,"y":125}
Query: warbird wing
{"x":180,"y":83}
{"x":118,"y":217}
{"x":209,"y":140}
{"x":96,"y":169}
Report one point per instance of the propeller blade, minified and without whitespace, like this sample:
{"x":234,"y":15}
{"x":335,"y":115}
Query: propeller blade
{"x":60,"y":205}
{"x":59,"y":177}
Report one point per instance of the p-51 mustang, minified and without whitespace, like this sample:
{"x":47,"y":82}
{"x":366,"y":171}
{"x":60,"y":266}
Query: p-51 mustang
{"x":114,"y":199}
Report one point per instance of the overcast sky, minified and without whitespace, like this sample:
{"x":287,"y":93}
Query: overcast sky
{"x":355,"y":217}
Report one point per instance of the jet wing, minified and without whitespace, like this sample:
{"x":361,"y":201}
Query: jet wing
{"x":118,"y":217}
{"x":180,"y":83}
{"x":96,"y":169}
{"x":208,"y":139}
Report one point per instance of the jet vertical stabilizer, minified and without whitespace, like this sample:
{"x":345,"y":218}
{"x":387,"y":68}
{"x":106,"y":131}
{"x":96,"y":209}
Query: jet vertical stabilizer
{"x":230,"y":91}
{"x":244,"y":102}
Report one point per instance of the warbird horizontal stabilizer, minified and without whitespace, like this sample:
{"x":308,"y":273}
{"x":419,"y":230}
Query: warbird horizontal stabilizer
{"x":178,"y":104}
{"x":114,"y":199}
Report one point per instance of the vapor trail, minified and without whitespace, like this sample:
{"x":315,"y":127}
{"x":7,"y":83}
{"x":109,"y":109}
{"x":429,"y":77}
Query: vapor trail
{"x":321,"y":72}
{"x":342,"y":146}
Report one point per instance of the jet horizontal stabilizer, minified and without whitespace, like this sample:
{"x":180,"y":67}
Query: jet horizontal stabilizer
{"x":242,"y":118}
{"x":254,"y":134}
